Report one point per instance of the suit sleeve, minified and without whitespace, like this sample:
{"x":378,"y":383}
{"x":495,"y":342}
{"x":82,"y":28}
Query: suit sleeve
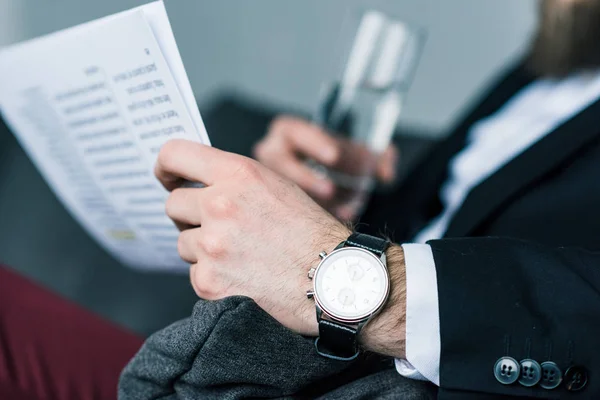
{"x":509,"y":298}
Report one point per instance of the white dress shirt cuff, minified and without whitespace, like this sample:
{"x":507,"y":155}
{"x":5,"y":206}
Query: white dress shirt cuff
{"x":423,"y":343}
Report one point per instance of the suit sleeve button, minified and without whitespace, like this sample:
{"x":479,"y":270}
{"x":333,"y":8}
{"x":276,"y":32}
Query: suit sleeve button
{"x":507,"y":370}
{"x":575,"y":378}
{"x":551,"y":375}
{"x":531,"y":373}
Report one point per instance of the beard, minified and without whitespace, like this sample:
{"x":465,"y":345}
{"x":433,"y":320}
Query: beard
{"x":567,"y":39}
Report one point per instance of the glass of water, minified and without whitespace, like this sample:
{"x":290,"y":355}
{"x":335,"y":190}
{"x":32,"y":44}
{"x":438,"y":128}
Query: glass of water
{"x":363,"y":106}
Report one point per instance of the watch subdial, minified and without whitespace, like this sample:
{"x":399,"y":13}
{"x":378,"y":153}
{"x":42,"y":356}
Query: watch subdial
{"x":346,"y":297}
{"x":355,"y":272}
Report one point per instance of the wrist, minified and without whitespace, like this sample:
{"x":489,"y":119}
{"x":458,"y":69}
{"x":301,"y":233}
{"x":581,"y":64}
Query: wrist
{"x":386,"y":333}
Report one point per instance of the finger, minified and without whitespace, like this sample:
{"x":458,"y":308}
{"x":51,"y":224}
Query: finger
{"x":387,"y":164}
{"x":271,"y":151}
{"x":187,"y":245}
{"x":197,"y":278}
{"x":183,"y":159}
{"x":206,"y":285}
{"x":307,"y":179}
{"x":193,"y":269}
{"x":184,"y":207}
{"x":310,"y":140}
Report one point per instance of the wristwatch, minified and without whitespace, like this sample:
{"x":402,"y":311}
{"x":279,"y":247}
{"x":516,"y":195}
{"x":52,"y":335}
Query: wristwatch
{"x":351,"y":285}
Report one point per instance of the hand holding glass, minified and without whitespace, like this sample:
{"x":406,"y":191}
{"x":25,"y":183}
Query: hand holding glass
{"x":362,"y":110}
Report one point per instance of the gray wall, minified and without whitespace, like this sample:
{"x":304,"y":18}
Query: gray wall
{"x":11,"y":26}
{"x":280,"y":50}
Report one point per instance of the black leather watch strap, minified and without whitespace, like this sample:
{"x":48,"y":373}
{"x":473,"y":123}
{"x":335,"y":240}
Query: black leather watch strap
{"x":373,"y":244}
{"x":337,"y":341}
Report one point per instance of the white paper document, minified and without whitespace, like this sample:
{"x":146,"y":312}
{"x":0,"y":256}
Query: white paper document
{"x":92,"y":106}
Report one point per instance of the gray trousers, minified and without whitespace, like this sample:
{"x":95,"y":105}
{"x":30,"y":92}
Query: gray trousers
{"x":232,"y":349}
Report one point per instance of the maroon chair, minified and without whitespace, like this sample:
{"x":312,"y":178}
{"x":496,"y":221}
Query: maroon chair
{"x":52,"y":349}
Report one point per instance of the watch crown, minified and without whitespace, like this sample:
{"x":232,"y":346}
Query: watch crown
{"x":311,"y":273}
{"x":310,"y":294}
{"x":322,"y":255}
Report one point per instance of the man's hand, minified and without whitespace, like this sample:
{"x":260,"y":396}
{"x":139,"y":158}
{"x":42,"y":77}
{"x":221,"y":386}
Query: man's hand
{"x":291,"y":140}
{"x":249,"y":232}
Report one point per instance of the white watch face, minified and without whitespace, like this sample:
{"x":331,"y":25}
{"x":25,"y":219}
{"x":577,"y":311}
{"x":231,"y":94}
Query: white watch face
{"x":351,"y":284}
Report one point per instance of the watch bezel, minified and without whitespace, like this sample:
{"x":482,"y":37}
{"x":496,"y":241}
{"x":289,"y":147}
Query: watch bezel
{"x":363,"y":317}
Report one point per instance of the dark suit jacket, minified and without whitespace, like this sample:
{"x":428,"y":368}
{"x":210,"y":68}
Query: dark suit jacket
{"x":518,"y":270}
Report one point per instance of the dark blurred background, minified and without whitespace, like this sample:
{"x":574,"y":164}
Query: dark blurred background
{"x":247,"y":61}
